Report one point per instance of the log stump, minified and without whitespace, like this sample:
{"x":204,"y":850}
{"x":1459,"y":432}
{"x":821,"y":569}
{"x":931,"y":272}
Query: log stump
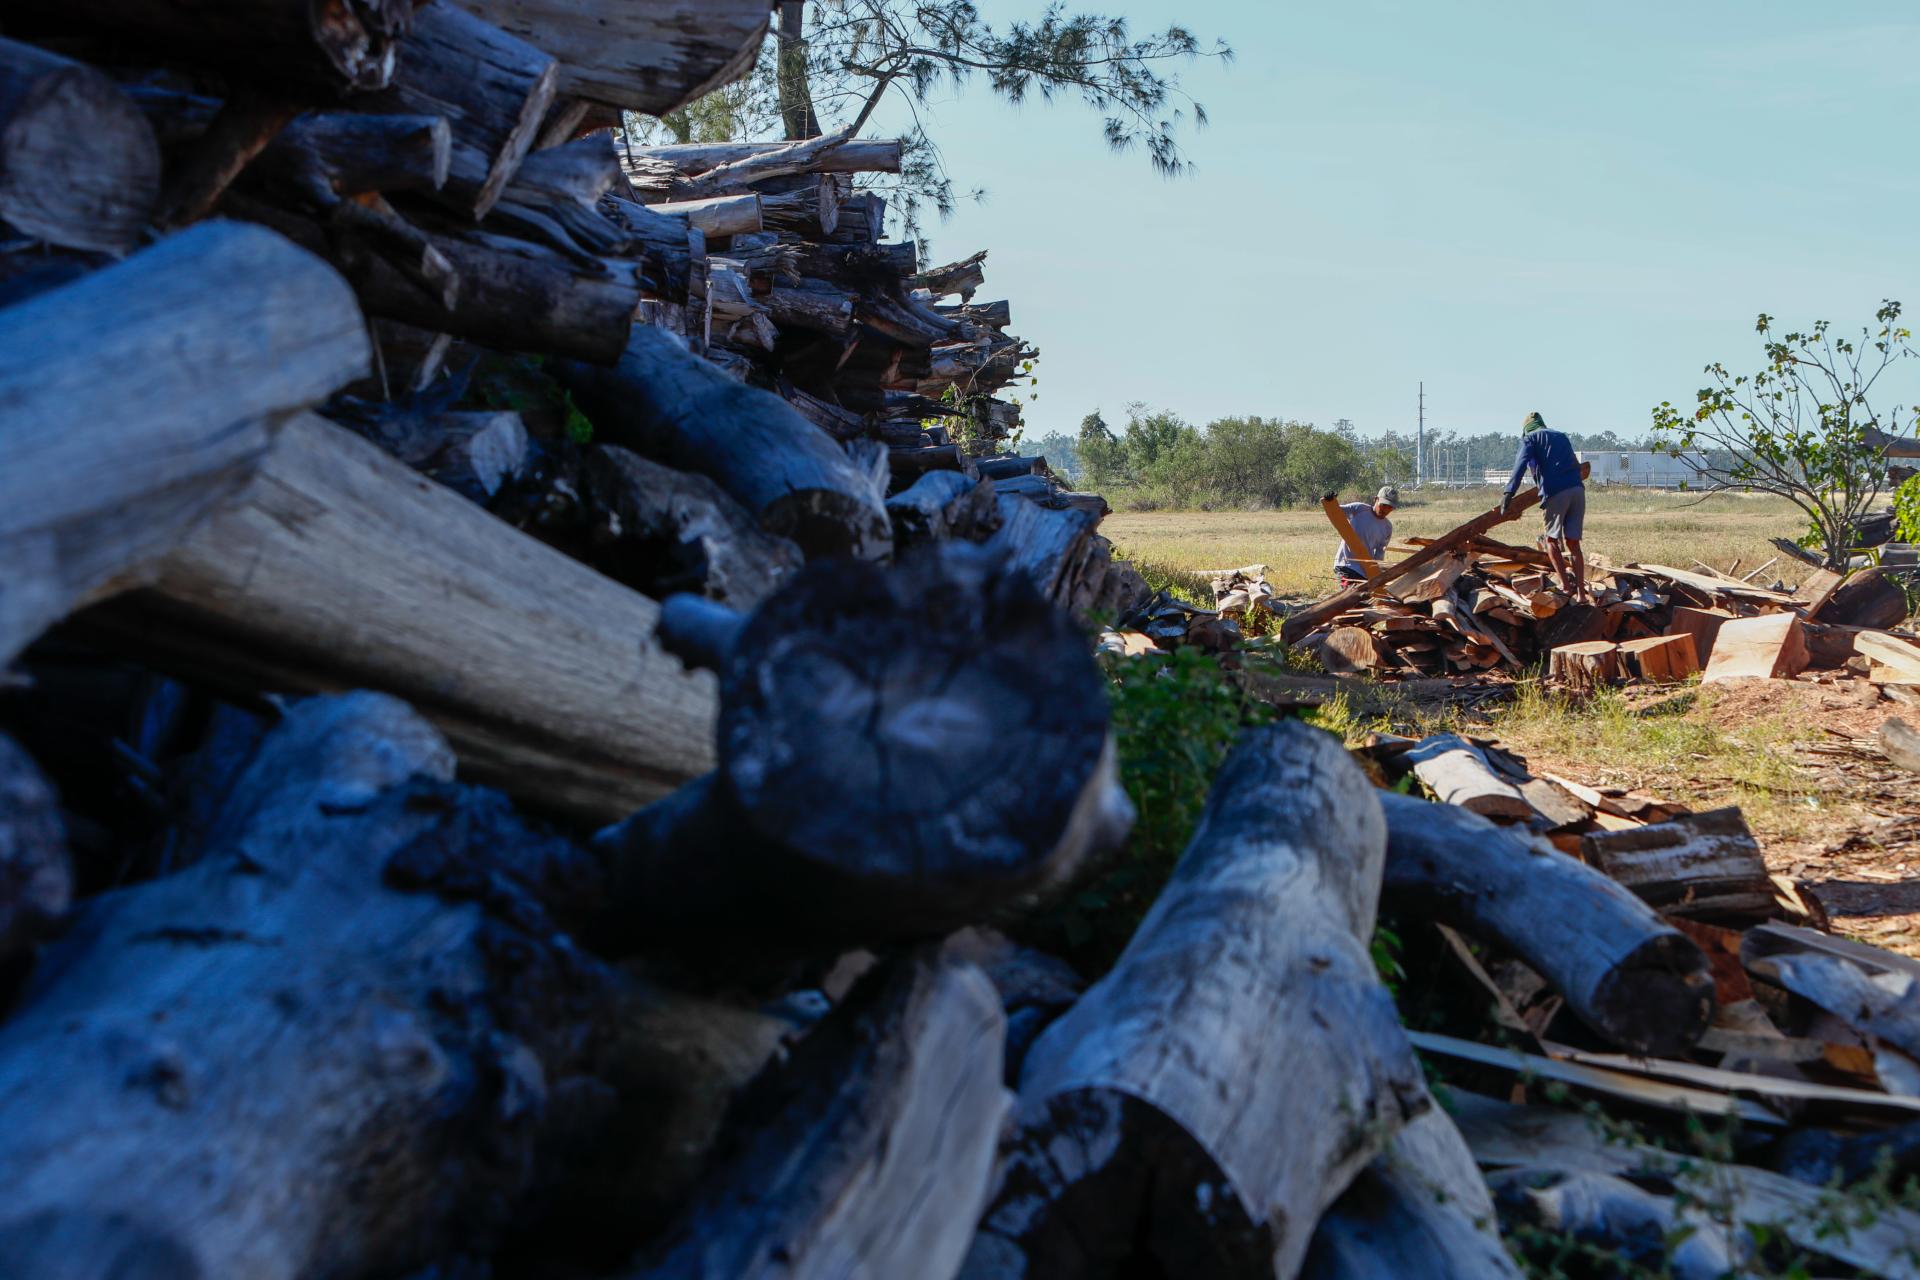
{"x":1585,"y":667}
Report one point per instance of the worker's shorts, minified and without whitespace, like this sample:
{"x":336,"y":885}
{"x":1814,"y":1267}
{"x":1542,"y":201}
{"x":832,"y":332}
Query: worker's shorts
{"x":1566,"y":512}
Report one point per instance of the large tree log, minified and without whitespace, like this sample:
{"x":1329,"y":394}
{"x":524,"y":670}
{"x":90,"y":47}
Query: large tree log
{"x":79,"y":166}
{"x":492,"y":87}
{"x":1633,"y":978}
{"x":849,"y":155}
{"x":941,"y":505}
{"x":1420,"y":1211}
{"x":1457,"y":774}
{"x":681,"y":532}
{"x":325,"y":153}
{"x":870,"y":788}
{"x":1049,"y":546}
{"x":299,"y":1010}
{"x":1698,"y":864}
{"x":676,"y":408}
{"x":36,"y":875}
{"x":718,"y":215}
{"x":318,"y":49}
{"x":339,"y":567}
{"x":870,"y":1155}
{"x":644,"y":55}
{"x":1207,"y":1100}
{"x":134,"y":400}
{"x":1300,"y":623}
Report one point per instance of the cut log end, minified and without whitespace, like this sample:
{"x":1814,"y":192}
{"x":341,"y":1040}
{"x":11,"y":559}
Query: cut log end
{"x":1659,"y":999}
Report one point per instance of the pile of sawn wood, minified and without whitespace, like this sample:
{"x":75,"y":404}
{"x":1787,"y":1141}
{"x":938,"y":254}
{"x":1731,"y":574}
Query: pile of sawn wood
{"x":389,"y":886}
{"x":1464,"y":603}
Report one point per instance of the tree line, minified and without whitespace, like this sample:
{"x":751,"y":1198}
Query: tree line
{"x":1157,"y":459}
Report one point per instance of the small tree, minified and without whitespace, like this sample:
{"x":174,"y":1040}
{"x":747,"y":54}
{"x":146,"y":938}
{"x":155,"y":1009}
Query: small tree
{"x":1801,"y":428}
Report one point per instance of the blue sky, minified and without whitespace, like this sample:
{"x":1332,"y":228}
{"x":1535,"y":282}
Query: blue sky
{"x":1560,"y":207}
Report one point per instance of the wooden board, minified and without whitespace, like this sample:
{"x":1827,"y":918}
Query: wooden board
{"x":1900,"y":657}
{"x":1718,"y":586}
{"x":1432,"y":582}
{"x":1769,"y":647}
{"x":1344,"y":527}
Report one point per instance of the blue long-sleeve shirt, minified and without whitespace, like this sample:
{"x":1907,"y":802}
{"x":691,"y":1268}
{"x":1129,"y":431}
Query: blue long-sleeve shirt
{"x":1549,"y":455}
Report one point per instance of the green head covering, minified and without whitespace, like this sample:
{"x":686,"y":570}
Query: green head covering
{"x":1533,"y":423}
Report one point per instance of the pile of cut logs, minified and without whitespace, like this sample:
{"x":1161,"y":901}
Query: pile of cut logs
{"x":513,"y":730}
{"x":1464,"y":603}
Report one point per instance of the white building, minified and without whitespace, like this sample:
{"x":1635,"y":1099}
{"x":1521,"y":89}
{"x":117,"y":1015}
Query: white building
{"x":1642,"y":469}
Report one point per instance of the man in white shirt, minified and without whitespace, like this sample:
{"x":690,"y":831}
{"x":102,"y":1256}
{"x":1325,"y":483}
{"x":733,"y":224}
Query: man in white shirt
{"x":1375,"y":530}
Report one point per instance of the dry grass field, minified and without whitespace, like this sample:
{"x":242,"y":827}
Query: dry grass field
{"x":1623,"y":524}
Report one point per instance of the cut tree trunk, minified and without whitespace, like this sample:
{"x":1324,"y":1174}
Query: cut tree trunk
{"x":1050,"y":547}
{"x":871,"y":1152}
{"x":1628,"y":974}
{"x":36,"y":873}
{"x":1457,"y":774}
{"x":1660,"y":659}
{"x":299,"y":1008}
{"x":815,"y":308}
{"x":313,"y":49}
{"x":1350,"y":650}
{"x":941,"y":505}
{"x":493,"y":89}
{"x":644,"y":55}
{"x":1869,"y":598}
{"x":136,"y":399}
{"x":338,"y":567}
{"x":1420,"y":1211}
{"x":1585,"y":667}
{"x":1699,"y":864}
{"x":679,"y":532}
{"x":678,"y":409}
{"x":1245,"y":1008}
{"x":1769,"y":647}
{"x":718,"y":215}
{"x":880,"y":777}
{"x":79,"y":166}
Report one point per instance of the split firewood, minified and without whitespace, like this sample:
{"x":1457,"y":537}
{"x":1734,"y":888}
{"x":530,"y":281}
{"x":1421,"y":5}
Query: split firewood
{"x":492,"y":87}
{"x":870,"y":789}
{"x":1900,"y":743}
{"x":675,"y":531}
{"x":1699,"y":864}
{"x":1770,"y":646}
{"x":871,"y":1152}
{"x":473,"y":453}
{"x":961,"y":277}
{"x":1050,"y":547}
{"x":654,"y":56}
{"x":1143,"y":1127}
{"x":279,"y":44}
{"x":1895,"y":661}
{"x":1420,"y":1211}
{"x":1457,"y":774}
{"x":79,"y":166}
{"x":941,"y":505}
{"x":668,"y":405}
{"x":1875,"y":992}
{"x":1702,"y":624}
{"x":138,"y":398}
{"x":36,"y":873}
{"x":1584,"y":667}
{"x":1660,"y":659}
{"x":301,"y":1007}
{"x":1630,"y":976}
{"x":338,"y":567}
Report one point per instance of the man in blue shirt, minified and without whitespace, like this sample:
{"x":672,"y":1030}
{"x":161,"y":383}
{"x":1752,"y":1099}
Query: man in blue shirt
{"x":1548,"y":454}
{"x":1375,"y":532}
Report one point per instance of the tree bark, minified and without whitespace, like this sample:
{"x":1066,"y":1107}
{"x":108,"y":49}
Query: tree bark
{"x":1420,"y":1211}
{"x":815,"y":309}
{"x":1877,"y":997}
{"x":1698,"y":864}
{"x":1051,"y":547}
{"x":679,"y":532}
{"x":315,"y":49}
{"x":338,"y":567}
{"x":36,"y":873}
{"x":299,"y":1009}
{"x":671,"y":406}
{"x":870,"y":1154}
{"x":1634,"y":979}
{"x":879,"y":779}
{"x":136,"y":399}
{"x":718,"y":215}
{"x":79,"y":166}
{"x":852,"y":155}
{"x":1207,"y":1099}
{"x":493,"y":89}
{"x":653,"y":56}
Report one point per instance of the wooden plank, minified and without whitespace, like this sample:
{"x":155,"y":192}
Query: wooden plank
{"x":1720,"y":586}
{"x":1299,"y":624}
{"x":1432,"y":582}
{"x":1698,"y":864}
{"x":1769,"y":647}
{"x":1344,"y":527}
{"x":1900,"y":657}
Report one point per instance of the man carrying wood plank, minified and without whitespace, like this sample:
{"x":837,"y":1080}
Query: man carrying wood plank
{"x":1372,"y":529}
{"x":1563,"y":498}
